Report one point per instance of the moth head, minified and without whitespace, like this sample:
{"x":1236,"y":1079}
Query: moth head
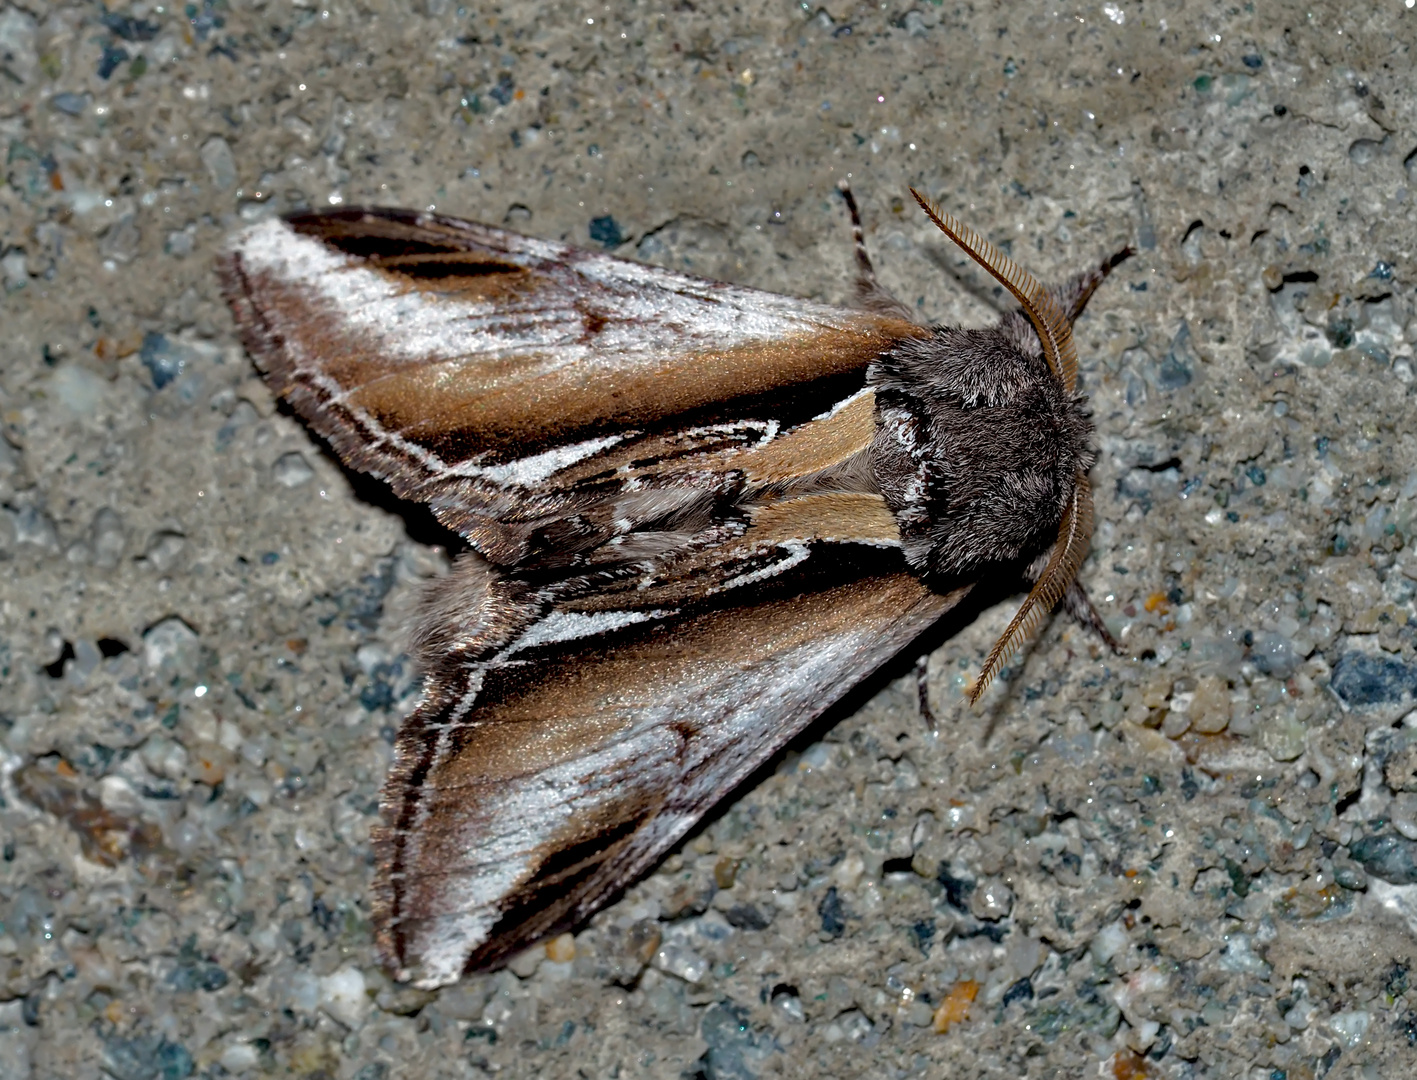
{"x":1055,"y":333}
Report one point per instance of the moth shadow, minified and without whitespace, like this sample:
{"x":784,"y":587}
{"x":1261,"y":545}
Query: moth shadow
{"x":419,"y":522}
{"x":986,"y":291}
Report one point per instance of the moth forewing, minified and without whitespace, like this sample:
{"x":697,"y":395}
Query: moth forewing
{"x":699,"y":515}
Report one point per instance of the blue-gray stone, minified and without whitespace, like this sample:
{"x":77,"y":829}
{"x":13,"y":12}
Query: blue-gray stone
{"x":502,"y":92}
{"x":833,"y":913}
{"x":147,"y":1057}
{"x":1176,"y":369}
{"x":1388,"y":856}
{"x":377,"y":695}
{"x":1275,"y":655}
{"x":747,"y":917}
{"x":161,"y":360}
{"x":735,"y":1050}
{"x":69,"y":103}
{"x":113,"y":55}
{"x":1361,"y":679}
{"x":1022,"y":990}
{"x":606,"y":231}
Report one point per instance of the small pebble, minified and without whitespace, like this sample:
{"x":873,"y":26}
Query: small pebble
{"x":1362,"y":151}
{"x":1108,"y":942}
{"x":106,"y":538}
{"x":14,"y":270}
{"x":33,"y":526}
{"x":342,"y":996}
{"x":208,"y":763}
{"x":1283,"y":736}
{"x":238,"y":1057}
{"x":1386,"y":856}
{"x":169,"y":644}
{"x":954,"y":1009}
{"x":735,"y":1049}
{"x":220,"y":162}
{"x":991,"y":900}
{"x":1274,"y":654}
{"x":525,"y":963}
{"x":725,"y":870}
{"x":164,"y":361}
{"x":70,"y":104}
{"x":561,"y":949}
{"x":164,"y":550}
{"x":292,"y":470}
{"x":1362,"y":679}
{"x":84,"y":662}
{"x":849,"y":871}
{"x":681,"y":961}
{"x":1175,"y":724}
{"x":164,"y":757}
{"x":1350,"y":1027}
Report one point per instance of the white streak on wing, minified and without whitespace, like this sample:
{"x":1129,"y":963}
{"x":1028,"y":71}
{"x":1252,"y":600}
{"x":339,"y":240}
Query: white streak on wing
{"x":788,"y":687}
{"x":370,"y":304}
{"x":797,"y":551}
{"x":570,"y":625}
{"x":768,"y":429}
{"x":875,"y":542}
{"x":416,"y":326}
{"x":440,"y":946}
{"x":538,"y":467}
{"x":444,"y":945}
{"x":274,"y":247}
{"x":408,"y":325}
{"x":534,"y":810}
{"x":845,"y":403}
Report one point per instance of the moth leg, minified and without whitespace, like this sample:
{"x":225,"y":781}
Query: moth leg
{"x":1078,"y":605}
{"x":869,"y":293}
{"x":1073,"y":296}
{"x":922,"y":687}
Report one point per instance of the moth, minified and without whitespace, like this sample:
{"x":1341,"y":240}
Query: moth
{"x":697,"y":515}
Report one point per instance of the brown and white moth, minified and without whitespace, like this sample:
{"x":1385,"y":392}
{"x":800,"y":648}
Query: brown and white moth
{"x":698,"y":513}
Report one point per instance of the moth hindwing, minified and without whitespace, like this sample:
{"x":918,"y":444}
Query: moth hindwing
{"x":697,"y":514}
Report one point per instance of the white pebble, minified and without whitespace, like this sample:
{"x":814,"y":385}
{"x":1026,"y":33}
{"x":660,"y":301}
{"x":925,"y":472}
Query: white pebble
{"x":118,"y":795}
{"x":1110,"y":940}
{"x":238,"y":1057}
{"x":342,"y":996}
{"x":848,"y":872}
{"x":292,"y":470}
{"x":1350,"y":1027}
{"x":171,"y":641}
{"x":682,"y":962}
{"x":165,"y":758}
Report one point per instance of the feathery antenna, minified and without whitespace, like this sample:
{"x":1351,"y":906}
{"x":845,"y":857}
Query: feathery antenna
{"x":1074,"y":537}
{"x":1054,"y":330}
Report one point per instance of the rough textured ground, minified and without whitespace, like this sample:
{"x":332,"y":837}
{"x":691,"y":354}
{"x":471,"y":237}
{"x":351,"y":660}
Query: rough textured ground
{"x":1195,"y":860}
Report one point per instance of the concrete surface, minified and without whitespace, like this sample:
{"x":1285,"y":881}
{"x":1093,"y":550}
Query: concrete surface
{"x":1197,"y":860}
